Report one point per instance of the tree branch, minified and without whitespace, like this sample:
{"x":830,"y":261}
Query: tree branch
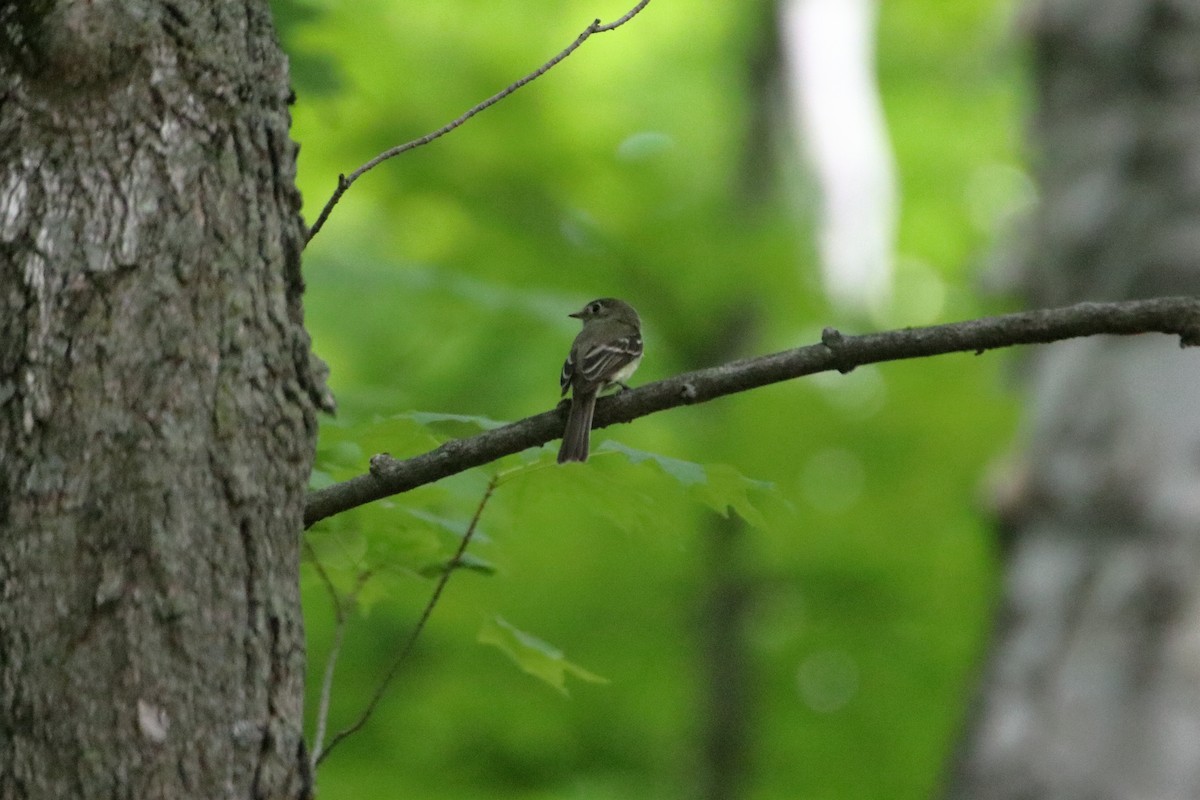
{"x":345,"y":181}
{"x":388,"y":476}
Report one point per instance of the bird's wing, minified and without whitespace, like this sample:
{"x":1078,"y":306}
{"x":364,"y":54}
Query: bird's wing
{"x":568,"y":372}
{"x":601,"y":362}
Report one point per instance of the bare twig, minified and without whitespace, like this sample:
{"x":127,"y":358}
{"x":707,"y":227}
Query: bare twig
{"x":339,"y":631}
{"x":402,"y":655}
{"x":345,"y":181}
{"x":388,"y":476}
{"x":335,"y":649}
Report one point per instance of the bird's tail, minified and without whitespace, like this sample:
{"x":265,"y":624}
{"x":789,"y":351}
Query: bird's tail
{"x":579,"y":428}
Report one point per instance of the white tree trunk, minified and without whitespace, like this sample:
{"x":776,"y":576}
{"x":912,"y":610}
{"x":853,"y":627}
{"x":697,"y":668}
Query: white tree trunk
{"x":1092,"y":688}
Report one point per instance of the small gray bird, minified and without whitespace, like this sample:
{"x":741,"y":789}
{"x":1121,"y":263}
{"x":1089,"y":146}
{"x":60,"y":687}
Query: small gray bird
{"x":605,"y":353}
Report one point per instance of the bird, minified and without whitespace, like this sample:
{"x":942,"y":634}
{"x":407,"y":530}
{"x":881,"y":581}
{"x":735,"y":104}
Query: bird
{"x":605,"y":353}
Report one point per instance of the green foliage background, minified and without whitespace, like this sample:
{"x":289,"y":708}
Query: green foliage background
{"x":639,"y":168}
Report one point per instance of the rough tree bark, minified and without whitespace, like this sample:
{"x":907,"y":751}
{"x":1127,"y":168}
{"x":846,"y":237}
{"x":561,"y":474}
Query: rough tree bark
{"x":1092,"y":689}
{"x":157,"y":403}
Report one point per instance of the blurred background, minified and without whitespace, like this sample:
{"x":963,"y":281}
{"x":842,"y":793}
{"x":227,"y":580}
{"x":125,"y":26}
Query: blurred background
{"x":744,"y":174}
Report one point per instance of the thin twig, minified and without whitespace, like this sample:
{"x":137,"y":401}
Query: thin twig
{"x":443,"y":579}
{"x":389,"y":476}
{"x":335,"y":649}
{"x":345,"y":181}
{"x":339,"y":616}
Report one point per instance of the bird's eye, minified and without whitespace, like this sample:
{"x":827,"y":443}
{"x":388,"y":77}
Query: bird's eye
{"x":594,"y":308}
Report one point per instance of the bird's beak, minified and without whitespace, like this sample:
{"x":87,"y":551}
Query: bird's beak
{"x":578,"y":314}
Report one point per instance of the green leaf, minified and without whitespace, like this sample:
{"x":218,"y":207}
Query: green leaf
{"x":453,"y":526}
{"x":719,"y":486}
{"x":465,"y":561}
{"x":387,"y":538}
{"x":344,"y":446}
{"x":333,"y":453}
{"x":534,"y":656}
{"x":319,"y":479}
{"x":431,"y":418}
{"x":603,"y":486}
{"x":398,"y":434}
{"x":342,"y":547}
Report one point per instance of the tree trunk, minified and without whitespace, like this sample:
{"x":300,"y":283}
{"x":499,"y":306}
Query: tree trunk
{"x":157,"y":404}
{"x":1093,"y":686}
